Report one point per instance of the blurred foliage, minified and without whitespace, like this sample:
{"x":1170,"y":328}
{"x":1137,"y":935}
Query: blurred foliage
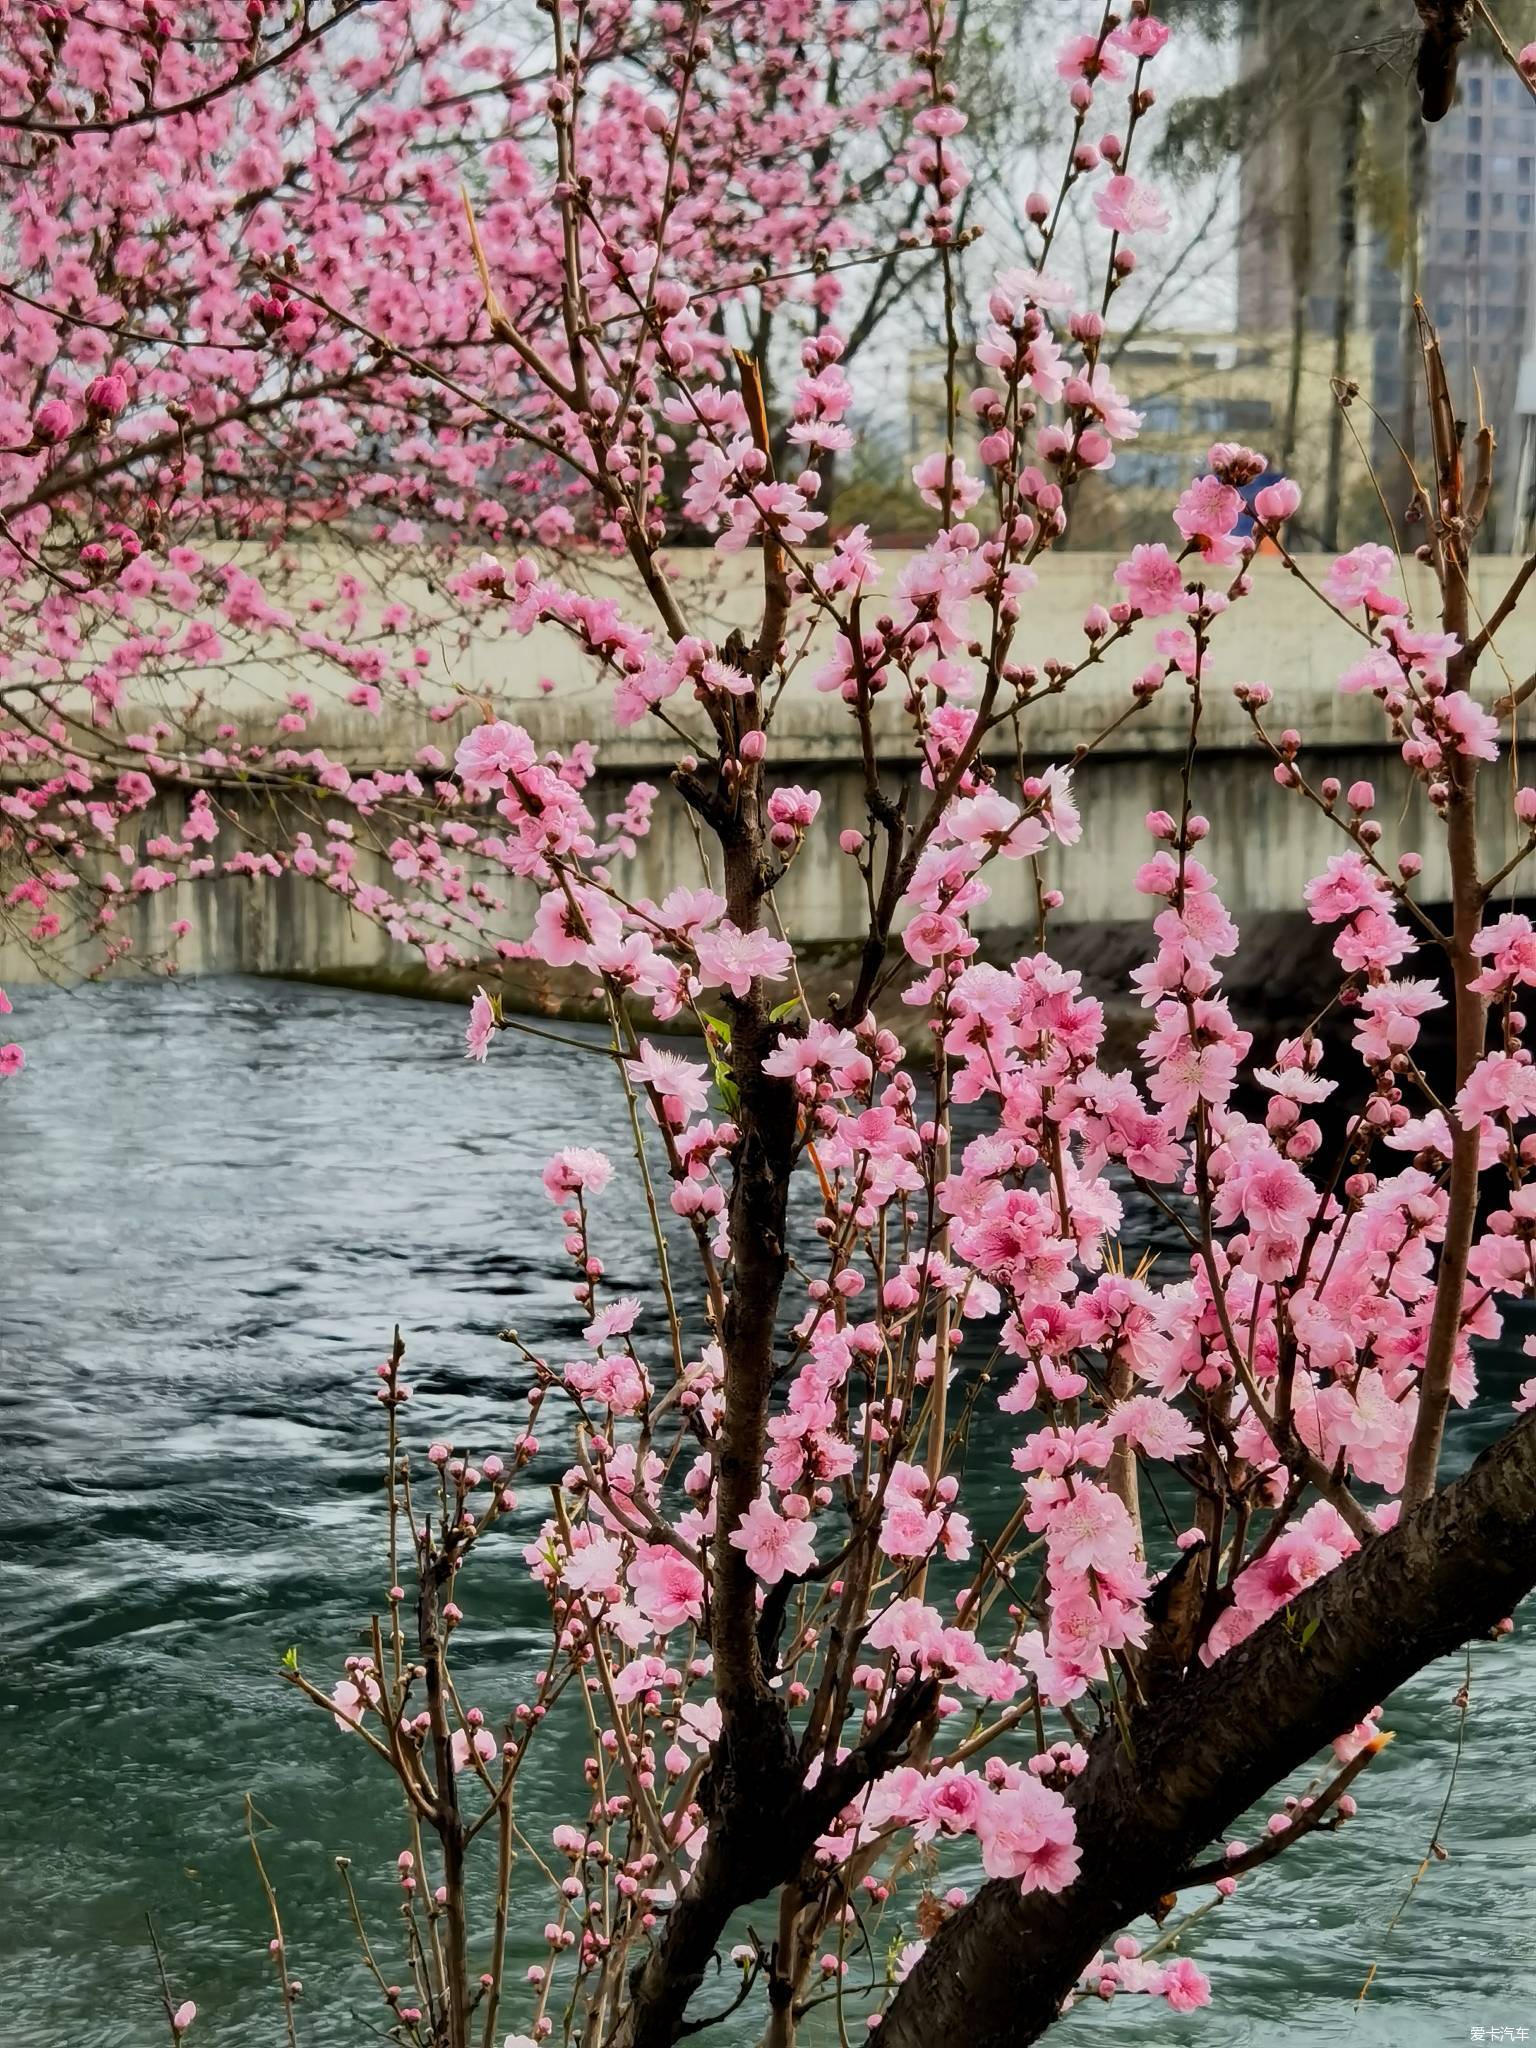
{"x":876,"y":490}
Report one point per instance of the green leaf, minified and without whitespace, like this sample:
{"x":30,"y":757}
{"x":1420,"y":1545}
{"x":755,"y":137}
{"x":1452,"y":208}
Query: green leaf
{"x":782,"y":1010}
{"x":291,"y":1658}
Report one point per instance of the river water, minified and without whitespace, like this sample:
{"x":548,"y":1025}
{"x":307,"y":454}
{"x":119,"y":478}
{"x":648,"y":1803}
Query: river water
{"x":215,"y":1201}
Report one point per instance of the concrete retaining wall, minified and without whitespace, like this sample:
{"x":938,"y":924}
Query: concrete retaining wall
{"x":1264,"y":843}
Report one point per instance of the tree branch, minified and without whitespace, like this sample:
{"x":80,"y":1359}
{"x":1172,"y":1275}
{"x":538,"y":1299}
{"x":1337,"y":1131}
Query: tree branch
{"x":996,"y":1974}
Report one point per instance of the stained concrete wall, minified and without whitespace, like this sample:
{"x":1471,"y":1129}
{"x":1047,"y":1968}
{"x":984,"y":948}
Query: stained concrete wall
{"x":1264,"y":843}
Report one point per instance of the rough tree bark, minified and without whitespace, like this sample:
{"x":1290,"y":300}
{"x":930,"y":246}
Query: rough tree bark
{"x":1300,"y":252}
{"x":1415,"y":209}
{"x":763,"y":1821}
{"x":996,"y":1974}
{"x":1447,"y":24}
{"x":1346,"y":238}
{"x":1458,"y":516}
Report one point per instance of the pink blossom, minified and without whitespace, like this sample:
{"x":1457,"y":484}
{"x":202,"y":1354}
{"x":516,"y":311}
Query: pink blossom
{"x":1499,"y":1085}
{"x":793,"y":806}
{"x":482,"y":1743}
{"x":577,"y":1169}
{"x":489,"y":753}
{"x":1184,"y":1986}
{"x":668,"y":1589}
{"x":734,"y":959}
{"x":681,"y":1084}
{"x":1509,"y":945}
{"x":774,"y":1545}
{"x":951,"y":1803}
{"x":1471,"y":730}
{"x":481,"y":1027}
{"x":1354,"y":578}
{"x":1086,"y":57}
{"x":1151,"y":580}
{"x":1143,"y":36}
{"x":1206,"y":514}
{"x":1348,"y":886}
{"x":1129,"y":207}
{"x":929,"y":476}
{"x":1026,"y":1831}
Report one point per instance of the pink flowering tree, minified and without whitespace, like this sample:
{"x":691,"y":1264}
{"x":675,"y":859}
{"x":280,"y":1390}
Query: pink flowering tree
{"x":950,"y":1749}
{"x":248,"y":369}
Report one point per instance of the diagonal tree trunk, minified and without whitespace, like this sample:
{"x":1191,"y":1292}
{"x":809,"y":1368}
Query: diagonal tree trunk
{"x":996,"y":1974}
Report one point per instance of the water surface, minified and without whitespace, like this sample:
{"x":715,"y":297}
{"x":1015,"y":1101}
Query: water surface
{"x":215,"y":1201}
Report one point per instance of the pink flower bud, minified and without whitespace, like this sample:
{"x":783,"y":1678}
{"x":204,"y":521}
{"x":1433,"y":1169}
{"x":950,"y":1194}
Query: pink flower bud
{"x":53,"y":421}
{"x":183,"y":2016}
{"x":1277,"y":502}
{"x":1095,"y":448}
{"x":107,"y":396}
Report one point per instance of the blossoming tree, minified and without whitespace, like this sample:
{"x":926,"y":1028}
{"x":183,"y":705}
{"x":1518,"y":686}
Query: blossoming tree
{"x":812,"y":1670}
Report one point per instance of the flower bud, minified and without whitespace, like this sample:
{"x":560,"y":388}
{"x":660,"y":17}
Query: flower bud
{"x":107,"y":396}
{"x":53,"y":421}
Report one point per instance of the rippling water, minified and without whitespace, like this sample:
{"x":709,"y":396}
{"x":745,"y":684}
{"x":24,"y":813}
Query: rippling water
{"x":215,"y":1201}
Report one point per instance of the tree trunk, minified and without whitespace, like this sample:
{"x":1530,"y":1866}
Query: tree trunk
{"x":1447,"y":24}
{"x":1415,"y":205}
{"x":996,"y":1974}
{"x":1301,"y":284}
{"x":1351,"y":121}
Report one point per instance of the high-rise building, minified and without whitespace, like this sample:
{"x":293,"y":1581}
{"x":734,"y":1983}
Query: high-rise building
{"x":1458,"y":225}
{"x":1478,"y":242}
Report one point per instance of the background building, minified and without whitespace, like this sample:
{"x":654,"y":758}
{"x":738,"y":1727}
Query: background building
{"x":1350,"y":208}
{"x":1191,"y":389}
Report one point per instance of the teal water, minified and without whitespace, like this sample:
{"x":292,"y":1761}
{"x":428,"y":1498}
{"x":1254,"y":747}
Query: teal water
{"x":215,"y":1201}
